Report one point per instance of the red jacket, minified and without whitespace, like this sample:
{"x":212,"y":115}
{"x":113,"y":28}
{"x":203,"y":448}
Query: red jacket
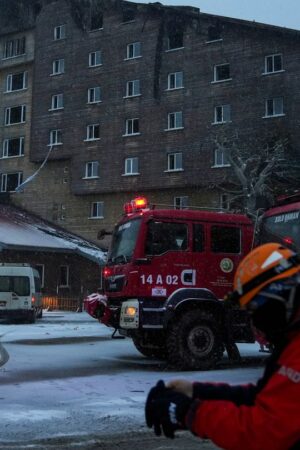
{"x":270,"y":421}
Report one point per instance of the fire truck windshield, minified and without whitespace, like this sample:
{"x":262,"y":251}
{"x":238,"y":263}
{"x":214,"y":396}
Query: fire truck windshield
{"x":283,"y":227}
{"x":123,"y":242}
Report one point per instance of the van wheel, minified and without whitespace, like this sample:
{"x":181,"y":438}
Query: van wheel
{"x":150,"y":351}
{"x":194,"y":341}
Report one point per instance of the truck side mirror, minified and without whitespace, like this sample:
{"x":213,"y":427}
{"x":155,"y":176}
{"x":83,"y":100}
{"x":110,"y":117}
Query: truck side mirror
{"x":102,"y":233}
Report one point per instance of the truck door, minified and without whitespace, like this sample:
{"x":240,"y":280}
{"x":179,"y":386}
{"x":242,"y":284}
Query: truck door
{"x":224,"y":252}
{"x":166,"y":246}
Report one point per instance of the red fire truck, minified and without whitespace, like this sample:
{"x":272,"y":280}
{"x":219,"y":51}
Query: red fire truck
{"x":166,"y":275}
{"x":281,"y":223}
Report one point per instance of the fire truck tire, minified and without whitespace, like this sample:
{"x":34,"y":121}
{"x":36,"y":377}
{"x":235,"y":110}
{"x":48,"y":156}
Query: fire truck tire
{"x":149,"y":351}
{"x":194,"y":342}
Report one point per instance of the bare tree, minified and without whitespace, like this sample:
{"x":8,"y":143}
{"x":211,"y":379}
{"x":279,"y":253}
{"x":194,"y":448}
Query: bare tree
{"x":256,"y":171}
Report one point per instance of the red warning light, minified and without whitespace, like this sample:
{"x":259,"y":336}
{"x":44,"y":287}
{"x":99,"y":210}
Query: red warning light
{"x":107,"y":271}
{"x":135,"y":205}
{"x":140,"y":203}
{"x":128,"y":208}
{"x":288,"y":240}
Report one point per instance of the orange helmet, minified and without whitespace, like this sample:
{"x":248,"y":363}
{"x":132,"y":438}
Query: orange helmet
{"x":262,"y":266}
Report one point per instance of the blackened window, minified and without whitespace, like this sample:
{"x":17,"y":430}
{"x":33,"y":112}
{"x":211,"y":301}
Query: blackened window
{"x":10,"y":181}
{"x":13,"y":147}
{"x":225,"y":239}
{"x":221,"y":72}
{"x":213,"y":33}
{"x":175,"y":40}
{"x":129,"y":14}
{"x":96,"y":20}
{"x":14,"y":47}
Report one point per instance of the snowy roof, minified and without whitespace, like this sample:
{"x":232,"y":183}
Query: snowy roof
{"x":21,"y":230}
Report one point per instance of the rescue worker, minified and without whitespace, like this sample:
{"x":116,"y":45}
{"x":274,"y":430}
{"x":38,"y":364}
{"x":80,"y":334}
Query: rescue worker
{"x":265,"y":416}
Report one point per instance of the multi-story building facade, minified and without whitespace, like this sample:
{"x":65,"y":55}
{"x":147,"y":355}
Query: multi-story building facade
{"x":16,"y":70}
{"x":129,"y":99}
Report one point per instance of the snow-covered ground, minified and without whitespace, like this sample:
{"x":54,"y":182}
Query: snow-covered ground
{"x":66,"y":376}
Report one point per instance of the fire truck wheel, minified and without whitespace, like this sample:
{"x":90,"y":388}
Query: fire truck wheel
{"x":158,"y":352}
{"x":194,"y":341}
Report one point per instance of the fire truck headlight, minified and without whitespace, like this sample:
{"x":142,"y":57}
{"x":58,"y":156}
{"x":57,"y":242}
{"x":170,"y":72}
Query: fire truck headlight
{"x":129,"y":316}
{"x":130,"y":310}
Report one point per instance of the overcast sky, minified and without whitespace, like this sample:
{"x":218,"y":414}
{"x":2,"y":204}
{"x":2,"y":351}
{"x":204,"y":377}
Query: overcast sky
{"x":285,"y":13}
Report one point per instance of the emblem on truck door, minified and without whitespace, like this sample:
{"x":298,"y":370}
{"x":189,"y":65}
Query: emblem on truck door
{"x":226,"y":265}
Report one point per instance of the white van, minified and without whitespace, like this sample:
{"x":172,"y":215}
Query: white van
{"x":20,"y":292}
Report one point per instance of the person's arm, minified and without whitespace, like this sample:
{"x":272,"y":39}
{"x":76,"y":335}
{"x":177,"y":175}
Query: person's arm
{"x":242,"y":394}
{"x":272,"y":423}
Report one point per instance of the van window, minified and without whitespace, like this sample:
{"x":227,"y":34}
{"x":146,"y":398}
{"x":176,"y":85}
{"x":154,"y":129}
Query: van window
{"x":225,"y":239}
{"x":165,"y":236}
{"x":18,"y":285}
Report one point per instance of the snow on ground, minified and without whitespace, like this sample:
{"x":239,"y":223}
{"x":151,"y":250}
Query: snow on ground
{"x":83,"y":383}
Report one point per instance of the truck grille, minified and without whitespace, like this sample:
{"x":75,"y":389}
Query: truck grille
{"x":115,"y":283}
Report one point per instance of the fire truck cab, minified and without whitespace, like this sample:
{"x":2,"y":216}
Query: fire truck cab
{"x":281,"y":223}
{"x":166,"y":275}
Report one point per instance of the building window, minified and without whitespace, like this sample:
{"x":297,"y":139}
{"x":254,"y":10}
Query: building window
{"x":214,"y":33}
{"x":15,"y":114}
{"x":220,"y":158}
{"x":95,"y":59}
{"x":94,"y":95}
{"x":14,"y":47}
{"x":16,"y":82}
{"x":131,"y":166}
{"x":58,"y":66}
{"x":57,"y":101}
{"x":96,"y":19}
{"x":92,"y":169}
{"x":133,"y":50}
{"x":129,"y":13}
{"x":10,"y":181}
{"x":41,"y":270}
{"x":13,"y":147}
{"x":175,"y":80}
{"x":174,"y":162}
{"x":175,"y":40}
{"x":64,"y":276}
{"x":93,"y":132}
{"x":274,"y":107}
{"x":133,"y":88}
{"x":59,"y":32}
{"x":273,"y":63}
{"x":132,"y":127}
{"x":181,"y":202}
{"x":55,"y":137}
{"x":175,"y":120}
{"x":222,"y":72}
{"x":97,"y":209}
{"x":222,"y":114}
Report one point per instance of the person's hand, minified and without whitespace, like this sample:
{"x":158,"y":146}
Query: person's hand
{"x":183,"y":386}
{"x":166,"y":409}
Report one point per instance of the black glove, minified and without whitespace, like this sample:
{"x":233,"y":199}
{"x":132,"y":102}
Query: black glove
{"x":166,"y":410}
